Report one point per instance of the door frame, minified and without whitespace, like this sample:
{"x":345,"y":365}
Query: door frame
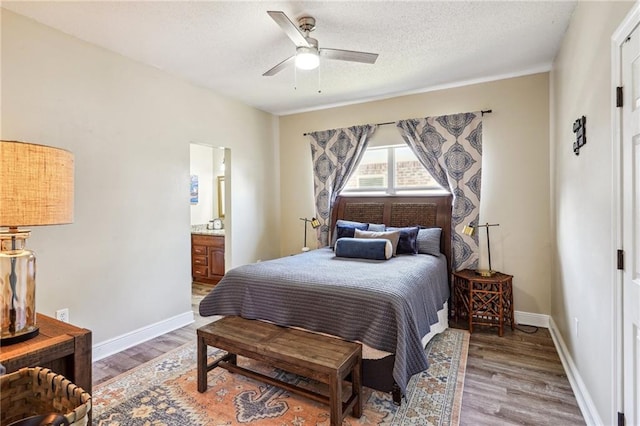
{"x":628,"y":24}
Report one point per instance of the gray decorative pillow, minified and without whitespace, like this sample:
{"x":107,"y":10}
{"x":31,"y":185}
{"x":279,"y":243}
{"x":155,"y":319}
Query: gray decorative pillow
{"x":392,"y":236}
{"x":377,"y":227}
{"x":429,"y":241}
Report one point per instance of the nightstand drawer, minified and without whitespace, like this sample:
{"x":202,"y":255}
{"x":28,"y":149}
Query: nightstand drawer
{"x":200,"y":250}
{"x":199,"y":261}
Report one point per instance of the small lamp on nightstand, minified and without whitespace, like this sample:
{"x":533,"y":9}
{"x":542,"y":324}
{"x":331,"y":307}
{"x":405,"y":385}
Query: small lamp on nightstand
{"x":314,"y":224}
{"x":36,"y":188}
{"x":469,"y":230}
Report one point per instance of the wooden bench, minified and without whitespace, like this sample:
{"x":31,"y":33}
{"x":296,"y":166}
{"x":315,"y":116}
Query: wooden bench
{"x":326,"y":359}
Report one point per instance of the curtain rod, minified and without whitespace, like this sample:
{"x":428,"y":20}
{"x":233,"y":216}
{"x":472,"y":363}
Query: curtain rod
{"x":483,"y":112}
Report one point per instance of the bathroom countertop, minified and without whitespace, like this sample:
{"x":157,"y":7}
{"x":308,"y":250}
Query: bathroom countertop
{"x":218,"y":232}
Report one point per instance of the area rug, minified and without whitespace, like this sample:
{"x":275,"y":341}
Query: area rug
{"x":164,"y":392}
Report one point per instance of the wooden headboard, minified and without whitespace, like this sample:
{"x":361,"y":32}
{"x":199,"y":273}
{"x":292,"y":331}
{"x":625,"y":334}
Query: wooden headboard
{"x":428,"y":211}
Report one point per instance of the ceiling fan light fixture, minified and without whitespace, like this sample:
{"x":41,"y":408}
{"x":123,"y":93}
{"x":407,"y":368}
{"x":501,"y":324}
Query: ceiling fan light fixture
{"x":307,"y":55}
{"x":307,"y":58}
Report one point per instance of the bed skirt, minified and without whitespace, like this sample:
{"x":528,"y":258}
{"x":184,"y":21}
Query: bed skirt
{"x":377,"y":372}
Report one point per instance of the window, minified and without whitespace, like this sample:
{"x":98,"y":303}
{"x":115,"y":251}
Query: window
{"x":371,"y":181}
{"x":390,"y":169}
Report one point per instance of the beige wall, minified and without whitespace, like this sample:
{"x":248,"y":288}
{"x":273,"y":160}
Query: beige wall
{"x":125,"y":262}
{"x":515,"y":186}
{"x":582,"y":200}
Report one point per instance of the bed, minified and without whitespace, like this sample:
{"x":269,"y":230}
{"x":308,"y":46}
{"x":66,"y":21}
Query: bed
{"x":393,"y":306}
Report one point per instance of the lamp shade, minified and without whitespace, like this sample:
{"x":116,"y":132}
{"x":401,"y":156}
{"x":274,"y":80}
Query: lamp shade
{"x":468,"y":230}
{"x":36,"y":185}
{"x":307,"y":58}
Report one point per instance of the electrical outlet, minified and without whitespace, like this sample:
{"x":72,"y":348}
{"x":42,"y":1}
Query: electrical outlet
{"x":63,"y":314}
{"x":575,"y":319}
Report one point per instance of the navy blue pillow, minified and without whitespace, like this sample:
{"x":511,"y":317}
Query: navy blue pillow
{"x":349,"y":231}
{"x":408,"y":242}
{"x":369,"y":248}
{"x":346,"y":228}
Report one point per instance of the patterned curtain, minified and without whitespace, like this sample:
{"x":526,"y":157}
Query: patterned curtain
{"x":450,"y":147}
{"x":335,"y":155}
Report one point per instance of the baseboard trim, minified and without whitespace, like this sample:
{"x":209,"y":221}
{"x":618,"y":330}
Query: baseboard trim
{"x":117,"y":344}
{"x":528,"y":318}
{"x":587,"y":407}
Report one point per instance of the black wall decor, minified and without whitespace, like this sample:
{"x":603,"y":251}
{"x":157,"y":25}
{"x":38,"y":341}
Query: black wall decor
{"x":580,"y":129}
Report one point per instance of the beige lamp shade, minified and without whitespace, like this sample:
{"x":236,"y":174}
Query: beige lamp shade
{"x":36,"y":185}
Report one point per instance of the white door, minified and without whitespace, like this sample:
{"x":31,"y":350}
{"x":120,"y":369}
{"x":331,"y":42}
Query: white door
{"x":631,"y":226}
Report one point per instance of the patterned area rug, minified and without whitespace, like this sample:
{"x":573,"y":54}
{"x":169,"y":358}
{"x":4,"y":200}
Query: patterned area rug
{"x":164,"y":392}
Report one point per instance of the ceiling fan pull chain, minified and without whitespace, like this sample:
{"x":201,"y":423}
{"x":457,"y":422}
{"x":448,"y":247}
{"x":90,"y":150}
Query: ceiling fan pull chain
{"x":295,"y":78}
{"x":319,"y":81}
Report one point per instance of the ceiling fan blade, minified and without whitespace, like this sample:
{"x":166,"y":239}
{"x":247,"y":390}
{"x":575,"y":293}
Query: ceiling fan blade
{"x":282,"y":65}
{"x":289,"y":28}
{"x":349,"y":55}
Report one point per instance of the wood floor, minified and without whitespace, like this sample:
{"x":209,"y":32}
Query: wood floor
{"x":516,"y":379}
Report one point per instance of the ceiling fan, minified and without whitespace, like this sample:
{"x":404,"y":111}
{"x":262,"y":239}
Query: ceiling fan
{"x":308,"y":53}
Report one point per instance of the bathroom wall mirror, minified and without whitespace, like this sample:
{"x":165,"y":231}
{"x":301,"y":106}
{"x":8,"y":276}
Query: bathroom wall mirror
{"x":221,"y":197}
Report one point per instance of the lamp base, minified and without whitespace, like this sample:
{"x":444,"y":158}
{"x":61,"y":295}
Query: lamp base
{"x":17,"y":338}
{"x":485,"y":272}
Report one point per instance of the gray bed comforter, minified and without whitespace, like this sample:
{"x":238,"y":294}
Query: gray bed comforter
{"x":388,"y":305}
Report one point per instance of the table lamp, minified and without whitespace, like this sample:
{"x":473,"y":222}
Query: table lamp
{"x":314,"y":224}
{"x":469,"y":230}
{"x":36,"y":188}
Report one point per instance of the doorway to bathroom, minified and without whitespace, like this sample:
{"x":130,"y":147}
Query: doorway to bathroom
{"x":210,"y":212}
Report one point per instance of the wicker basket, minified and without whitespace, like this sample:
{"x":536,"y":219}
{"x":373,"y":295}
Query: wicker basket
{"x":32,"y":391}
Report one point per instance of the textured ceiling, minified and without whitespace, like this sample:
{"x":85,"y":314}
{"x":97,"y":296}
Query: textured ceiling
{"x":227,"y":45}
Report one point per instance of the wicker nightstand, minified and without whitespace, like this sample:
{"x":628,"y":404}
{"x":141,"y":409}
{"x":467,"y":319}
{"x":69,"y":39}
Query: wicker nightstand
{"x":483,"y":300}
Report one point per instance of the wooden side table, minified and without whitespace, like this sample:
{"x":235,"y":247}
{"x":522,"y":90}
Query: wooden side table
{"x":483,"y":300}
{"x":60,"y":346}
